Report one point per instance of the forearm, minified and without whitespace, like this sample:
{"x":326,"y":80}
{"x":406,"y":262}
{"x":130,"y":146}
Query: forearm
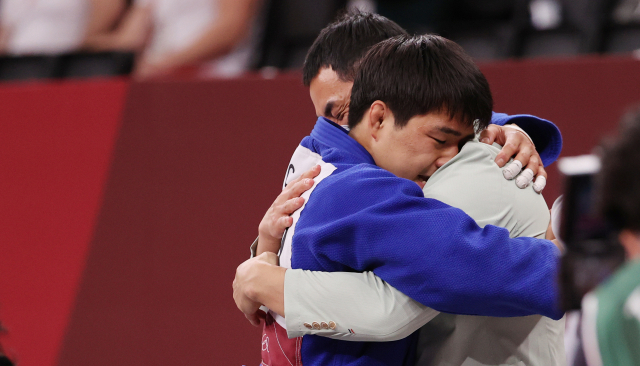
{"x":360,"y":306}
{"x":482,"y":281}
{"x":4,"y":40}
{"x":438,"y":256}
{"x":104,"y":14}
{"x":258,"y":247}
{"x":267,"y":245}
{"x":359,"y":301}
{"x":230,"y":27}
{"x":130,"y":35}
{"x":102,"y":42}
{"x":214,"y":43}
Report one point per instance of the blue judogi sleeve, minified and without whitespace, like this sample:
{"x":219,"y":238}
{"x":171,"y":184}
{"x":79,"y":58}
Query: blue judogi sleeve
{"x":545,"y":135}
{"x":367,"y":219}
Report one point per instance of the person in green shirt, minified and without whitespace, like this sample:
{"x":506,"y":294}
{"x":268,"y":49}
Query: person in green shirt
{"x":611,"y":313}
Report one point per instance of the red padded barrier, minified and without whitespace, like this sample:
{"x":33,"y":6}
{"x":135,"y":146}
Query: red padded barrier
{"x":55,"y":149}
{"x":585,"y":97}
{"x":196,"y":166}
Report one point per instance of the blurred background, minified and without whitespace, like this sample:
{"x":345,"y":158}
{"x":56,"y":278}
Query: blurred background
{"x":210,"y":38}
{"x":142,"y":141}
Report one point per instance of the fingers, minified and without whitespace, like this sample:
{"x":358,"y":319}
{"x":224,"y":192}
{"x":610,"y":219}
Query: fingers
{"x":539,"y":184}
{"x":508,"y":150}
{"x":282,"y":214}
{"x":550,"y":235}
{"x":512,"y":170}
{"x":531,"y":166}
{"x":254,"y":319}
{"x":288,"y":202}
{"x":299,"y":185}
{"x":293,"y":190}
{"x":527,"y":158}
{"x":309,"y":174}
{"x":242,"y":292}
{"x":276,"y":220}
{"x":488,"y":135}
{"x":524,"y":179}
{"x":514,"y":142}
{"x":298,"y":188}
{"x":291,"y":206}
{"x":283,"y":223}
{"x":531,"y":160}
{"x":278,"y":227}
{"x":541,"y":180}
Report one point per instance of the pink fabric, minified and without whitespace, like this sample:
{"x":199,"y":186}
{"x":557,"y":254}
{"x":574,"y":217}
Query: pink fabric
{"x":277,"y":348}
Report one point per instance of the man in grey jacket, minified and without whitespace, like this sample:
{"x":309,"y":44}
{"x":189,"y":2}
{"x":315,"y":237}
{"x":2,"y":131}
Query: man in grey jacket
{"x":365,"y":308}
{"x":377,"y":303}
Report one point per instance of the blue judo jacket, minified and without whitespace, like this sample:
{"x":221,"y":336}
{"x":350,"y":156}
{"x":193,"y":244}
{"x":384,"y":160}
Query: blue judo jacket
{"x":360,"y":217}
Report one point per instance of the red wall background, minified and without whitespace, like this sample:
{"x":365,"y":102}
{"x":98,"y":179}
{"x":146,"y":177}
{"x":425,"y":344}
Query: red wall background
{"x":56,"y":142}
{"x":126,"y":207}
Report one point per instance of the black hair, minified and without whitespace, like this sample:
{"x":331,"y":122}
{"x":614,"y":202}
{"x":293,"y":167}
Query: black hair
{"x":619,"y":176}
{"x":417,"y":75}
{"x":341,"y":44}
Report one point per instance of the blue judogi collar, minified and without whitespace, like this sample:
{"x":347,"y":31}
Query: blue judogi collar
{"x":331,"y":134}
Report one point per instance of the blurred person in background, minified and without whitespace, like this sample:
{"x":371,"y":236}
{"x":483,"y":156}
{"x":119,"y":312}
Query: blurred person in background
{"x":4,"y":359}
{"x":419,"y":16}
{"x":47,"y":27}
{"x":172,"y":34}
{"x":611,"y":313}
{"x":44,"y":27}
{"x":105,"y":16}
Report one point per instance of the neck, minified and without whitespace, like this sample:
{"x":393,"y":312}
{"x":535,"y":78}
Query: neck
{"x":360,"y":134}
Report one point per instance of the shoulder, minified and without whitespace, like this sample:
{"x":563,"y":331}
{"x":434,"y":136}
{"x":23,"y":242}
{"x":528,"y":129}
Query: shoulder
{"x":470,"y":172}
{"x":623,"y":288}
{"x":473,"y":182}
{"x":611,"y":316}
{"x":619,"y":296}
{"x":357,"y":189}
{"x":366,"y":179}
{"x":474,"y":156}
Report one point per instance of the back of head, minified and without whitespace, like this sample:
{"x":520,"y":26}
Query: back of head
{"x":619,"y":177}
{"x":421,"y":74}
{"x":341,"y":44}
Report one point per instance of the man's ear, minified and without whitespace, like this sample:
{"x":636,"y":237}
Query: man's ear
{"x":378,"y":112}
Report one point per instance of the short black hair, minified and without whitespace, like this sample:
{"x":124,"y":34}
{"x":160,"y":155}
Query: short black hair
{"x":416,"y":75}
{"x":619,"y":176}
{"x":341,"y":44}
